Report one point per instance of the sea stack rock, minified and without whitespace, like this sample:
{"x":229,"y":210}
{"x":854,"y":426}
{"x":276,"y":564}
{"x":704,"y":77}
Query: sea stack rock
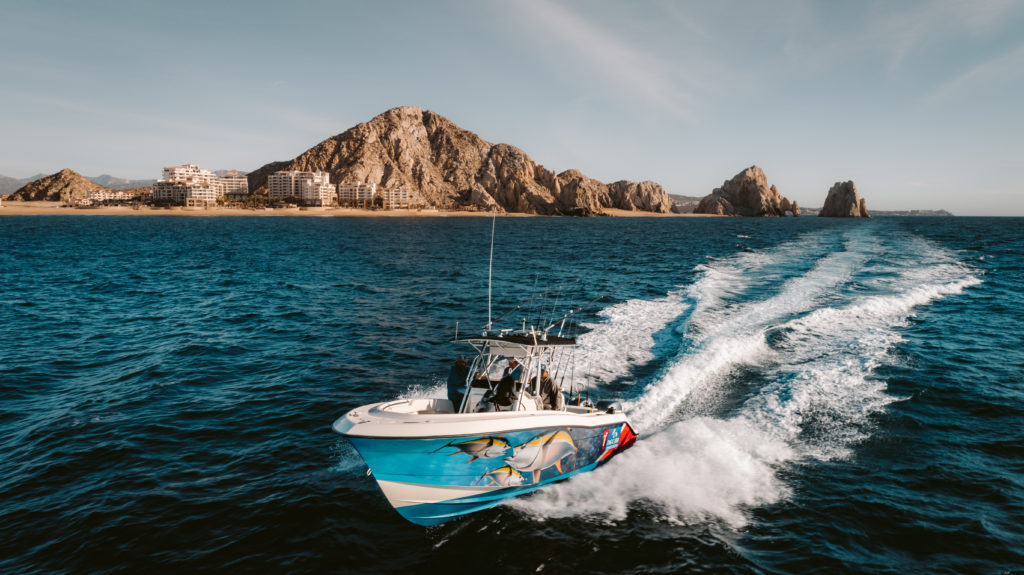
{"x":746,"y":194}
{"x":843,"y":201}
{"x":644,"y":196}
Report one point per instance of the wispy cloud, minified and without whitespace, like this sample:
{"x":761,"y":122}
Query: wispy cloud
{"x":628,"y":67}
{"x":984,"y":75}
{"x":903,"y":32}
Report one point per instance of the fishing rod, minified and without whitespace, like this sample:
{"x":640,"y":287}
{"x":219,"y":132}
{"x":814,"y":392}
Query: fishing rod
{"x":490,"y":268}
{"x":583,"y":307}
{"x":529,"y":301}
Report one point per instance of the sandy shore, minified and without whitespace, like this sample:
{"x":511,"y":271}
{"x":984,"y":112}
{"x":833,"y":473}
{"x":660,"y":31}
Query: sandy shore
{"x":9,"y":208}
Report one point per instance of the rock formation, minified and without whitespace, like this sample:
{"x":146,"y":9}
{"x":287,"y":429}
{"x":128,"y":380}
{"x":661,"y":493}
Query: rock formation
{"x":746,"y":194}
{"x":843,"y":201}
{"x":446,"y":166}
{"x":643,"y":196}
{"x":62,"y":186}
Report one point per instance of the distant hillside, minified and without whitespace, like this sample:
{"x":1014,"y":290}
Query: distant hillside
{"x":685,"y":204}
{"x":883,"y":213}
{"x":115,"y":183}
{"x":9,"y":185}
{"x":447,"y":166}
{"x":56,"y":187}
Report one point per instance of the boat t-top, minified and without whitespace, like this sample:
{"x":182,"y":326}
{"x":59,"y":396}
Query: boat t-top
{"x":506,"y":429}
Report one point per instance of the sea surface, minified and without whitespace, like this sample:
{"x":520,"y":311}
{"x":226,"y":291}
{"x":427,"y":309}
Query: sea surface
{"x":812,"y":395}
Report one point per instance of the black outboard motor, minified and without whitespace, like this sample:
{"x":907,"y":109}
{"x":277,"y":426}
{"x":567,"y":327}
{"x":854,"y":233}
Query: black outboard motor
{"x":609,"y":406}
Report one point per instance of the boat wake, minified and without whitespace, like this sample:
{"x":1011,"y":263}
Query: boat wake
{"x":774,"y":364}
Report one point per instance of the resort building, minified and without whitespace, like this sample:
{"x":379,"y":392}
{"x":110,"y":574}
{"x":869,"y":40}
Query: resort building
{"x":111,"y":196}
{"x":357,"y":195}
{"x":394,"y":199}
{"x":310,"y":188}
{"x":177,"y":192}
{"x":189,"y":172}
{"x":234,"y":186}
{"x":192,"y":185}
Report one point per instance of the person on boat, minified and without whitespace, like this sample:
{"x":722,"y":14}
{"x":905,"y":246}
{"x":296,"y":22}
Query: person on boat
{"x":514,"y":369}
{"x":505,"y":394}
{"x":456,"y":379}
{"x":549,"y":392}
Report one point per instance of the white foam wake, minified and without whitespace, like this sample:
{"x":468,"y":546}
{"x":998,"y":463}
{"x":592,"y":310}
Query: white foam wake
{"x":735,"y":336}
{"x":830,"y":329}
{"x":626,"y":338}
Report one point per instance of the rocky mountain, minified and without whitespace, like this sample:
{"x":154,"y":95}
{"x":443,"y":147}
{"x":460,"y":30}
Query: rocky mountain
{"x":843,"y":201}
{"x":747,"y":194}
{"x":56,"y":187}
{"x":10,"y":185}
{"x":446,"y":166}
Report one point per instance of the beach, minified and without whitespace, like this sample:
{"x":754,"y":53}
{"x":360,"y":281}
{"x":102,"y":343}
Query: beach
{"x":16,"y":208}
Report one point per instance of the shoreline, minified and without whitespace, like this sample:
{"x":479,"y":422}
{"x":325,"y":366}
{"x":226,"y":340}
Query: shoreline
{"x":43,"y":208}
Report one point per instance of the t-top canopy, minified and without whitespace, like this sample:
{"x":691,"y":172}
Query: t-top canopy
{"x":516,"y":344}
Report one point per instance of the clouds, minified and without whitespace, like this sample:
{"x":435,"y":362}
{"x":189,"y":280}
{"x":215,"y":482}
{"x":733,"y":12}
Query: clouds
{"x":635,"y":71}
{"x":992,"y":74}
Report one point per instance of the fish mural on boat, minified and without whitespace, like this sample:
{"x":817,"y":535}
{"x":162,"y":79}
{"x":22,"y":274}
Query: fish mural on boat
{"x":542,"y":452}
{"x":504,"y":476}
{"x":480,"y":448}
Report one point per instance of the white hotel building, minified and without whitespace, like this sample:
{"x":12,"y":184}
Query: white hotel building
{"x":310,"y":188}
{"x":357,"y":195}
{"x":233,"y":185}
{"x":394,"y":199}
{"x":189,"y":182}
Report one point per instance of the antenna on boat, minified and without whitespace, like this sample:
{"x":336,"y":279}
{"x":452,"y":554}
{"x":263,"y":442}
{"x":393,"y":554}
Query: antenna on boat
{"x":490,"y":269}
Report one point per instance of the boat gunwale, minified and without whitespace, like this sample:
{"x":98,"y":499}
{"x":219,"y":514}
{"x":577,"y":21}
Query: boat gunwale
{"x":391,"y":425}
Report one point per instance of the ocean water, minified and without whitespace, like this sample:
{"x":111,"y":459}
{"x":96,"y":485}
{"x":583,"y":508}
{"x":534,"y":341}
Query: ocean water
{"x":812,"y":396}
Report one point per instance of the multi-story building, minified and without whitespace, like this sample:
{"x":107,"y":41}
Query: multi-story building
{"x":189,"y":172}
{"x":234,"y":186}
{"x":196,"y":186}
{"x":177,"y":192}
{"x":310,"y":188}
{"x":110,"y":196}
{"x":357,"y":195}
{"x":394,"y":199}
{"x":316,"y":194}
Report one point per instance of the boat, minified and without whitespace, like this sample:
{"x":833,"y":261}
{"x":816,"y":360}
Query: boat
{"x":514,"y":430}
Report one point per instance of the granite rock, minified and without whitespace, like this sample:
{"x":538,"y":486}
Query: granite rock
{"x":746,"y":194}
{"x":843,"y":201}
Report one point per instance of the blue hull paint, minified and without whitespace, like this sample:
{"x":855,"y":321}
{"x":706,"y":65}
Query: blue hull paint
{"x":429,"y":514}
{"x":516,"y":463}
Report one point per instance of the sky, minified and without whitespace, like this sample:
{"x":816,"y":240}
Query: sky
{"x":921,"y":104}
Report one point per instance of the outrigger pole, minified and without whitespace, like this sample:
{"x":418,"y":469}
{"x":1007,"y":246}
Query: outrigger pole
{"x":573,"y":312}
{"x":490,"y":268}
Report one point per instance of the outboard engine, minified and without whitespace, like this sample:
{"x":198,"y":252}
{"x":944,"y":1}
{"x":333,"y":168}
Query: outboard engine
{"x":609,"y":406}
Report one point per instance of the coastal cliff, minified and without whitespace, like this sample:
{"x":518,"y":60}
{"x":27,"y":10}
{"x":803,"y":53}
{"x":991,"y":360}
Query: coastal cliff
{"x":843,"y":201}
{"x":747,"y":194}
{"x":448,"y":167}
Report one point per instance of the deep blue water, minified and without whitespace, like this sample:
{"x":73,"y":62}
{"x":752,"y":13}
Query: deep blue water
{"x":812,"y":395}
